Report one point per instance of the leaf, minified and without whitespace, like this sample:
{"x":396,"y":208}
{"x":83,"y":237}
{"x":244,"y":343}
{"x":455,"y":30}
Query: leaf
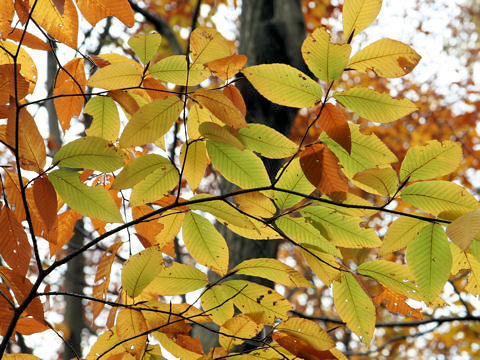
{"x":130,"y":323}
{"x":151,"y":121}
{"x":70,"y":80}
{"x":96,"y":10}
{"x":308,"y":331}
{"x":177,"y":279}
{"x":45,"y":199}
{"x":358,"y":14}
{"x":12,"y":83}
{"x":94,"y":202}
{"x":14,"y":246}
{"x":391,"y":275}
{"x":334,"y":123}
{"x":273,"y":270}
{"x":325,"y":59}
{"x":205,"y":244}
{"x":145,"y":45}
{"x":395,"y":303}
{"x":171,"y":221}
{"x":27,"y":66}
{"x":265,"y":303}
{"x":90,"y":152}
{"x":195,"y":162}
{"x":173,"y":346}
{"x":354,"y":307}
{"x":117,"y":76}
{"x":138,"y":169}
{"x":213,"y":298}
{"x":464,"y":229}
{"x":20,"y":357}
{"x":292,"y":179}
{"x":348,"y":199}
{"x":213,"y":131}
{"x":155,"y":185}
{"x":106,"y":342}
{"x":242,"y":168}
{"x":305,"y":234}
{"x":6,"y":18}
{"x":321,"y":168}
{"x":173,"y":69}
{"x":197,"y":115}
{"x":380,"y":181}
{"x":323,"y":265}
{"x":473,"y":281}
{"x":344,"y":231}
{"x":256,"y":204}
{"x":207,"y":44}
{"x":236,"y":329}
{"x":236,"y":97}
{"x":429,"y":260}
{"x":227,"y":67}
{"x":440,"y":198}
{"x":386,"y":57}
{"x":106,"y":121}
{"x":375,"y":106}
{"x":400,"y":233}
{"x":221,"y":106}
{"x":267,"y":141}
{"x":430,"y":161}
{"x":284,"y":85}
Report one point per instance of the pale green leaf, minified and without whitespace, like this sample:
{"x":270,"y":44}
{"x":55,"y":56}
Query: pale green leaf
{"x":195,"y":162}
{"x":430,"y":260}
{"x":173,"y":69}
{"x":213,"y":298}
{"x":323,"y":265}
{"x":284,"y":85}
{"x":106,"y":121}
{"x":117,"y":76}
{"x":140,"y":269}
{"x":358,"y":14}
{"x":155,"y":185}
{"x":354,"y":307}
{"x":375,"y":106}
{"x":267,"y":142}
{"x":90,"y":152}
{"x":464,"y":229}
{"x":213,"y":131}
{"x":386,"y":57}
{"x":432,"y":160}
{"x":145,"y":45}
{"x":94,"y":202}
{"x":400,"y":233}
{"x":444,"y":199}
{"x":205,"y":244}
{"x":236,"y":329}
{"x":380,"y":181}
{"x":207,"y":44}
{"x":325,"y":59}
{"x":242,"y":168}
{"x":151,"y":121}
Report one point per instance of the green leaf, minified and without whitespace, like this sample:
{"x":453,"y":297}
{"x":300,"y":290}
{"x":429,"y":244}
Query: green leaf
{"x":177,"y":279}
{"x":173,"y":69}
{"x":386,"y":57}
{"x":295,"y":180}
{"x":430,"y":161}
{"x":155,"y":185}
{"x":151,"y":121}
{"x":94,"y":202}
{"x":367,"y":152}
{"x":392,"y":275}
{"x":325,"y":59}
{"x":252,"y":298}
{"x":342,"y":230}
{"x":267,"y":141}
{"x":400,"y":233}
{"x":273,"y":270}
{"x":140,"y":269}
{"x":354,"y":307}
{"x":211,"y":300}
{"x":242,"y":168}
{"x":380,"y":181}
{"x":284,"y":85}
{"x":117,"y":76}
{"x":302,"y":232}
{"x":444,"y":199}
{"x":138,"y":169}
{"x":205,"y":243}
{"x":90,"y":152}
{"x":106,"y":121}
{"x":358,"y":14}
{"x":218,"y":133}
{"x":429,"y":259}
{"x":375,"y":106}
{"x":464,"y":229}
{"x":145,"y":45}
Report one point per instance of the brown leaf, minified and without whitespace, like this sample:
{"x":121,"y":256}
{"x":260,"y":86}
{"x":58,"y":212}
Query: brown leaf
{"x":321,"y":168}
{"x":8,"y":77}
{"x":334,"y":123}
{"x":29,"y":40}
{"x":65,"y":224}
{"x":46,"y":199}
{"x":126,"y":101}
{"x":236,"y":98}
{"x":301,"y":348}
{"x":227,"y":67}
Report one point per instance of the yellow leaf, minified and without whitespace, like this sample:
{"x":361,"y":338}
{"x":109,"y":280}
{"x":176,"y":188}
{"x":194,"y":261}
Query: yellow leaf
{"x":117,"y":76}
{"x":106,"y":120}
{"x":27,"y":67}
{"x":380,"y":181}
{"x":20,"y":357}
{"x":308,"y":331}
{"x":6,"y":17}
{"x":464,"y":229}
{"x":319,"y":265}
{"x":131,"y":323}
{"x":325,"y":59}
{"x":207,"y":44}
{"x":145,"y":45}
{"x":386,"y":57}
{"x":195,"y":162}
{"x":212,"y":299}
{"x":284,"y":85}
{"x":358,"y":14}
{"x":213,"y":131}
{"x":176,"y":349}
{"x":172,"y":221}
{"x":173,"y":69}
{"x":238,"y":327}
{"x":256,"y":203}
{"x":221,"y":106}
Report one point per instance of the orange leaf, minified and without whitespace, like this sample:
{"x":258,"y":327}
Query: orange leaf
{"x":7,"y":83}
{"x":6,"y":17}
{"x":6,"y":310}
{"x":147,"y":229}
{"x":29,"y":40}
{"x":301,"y":348}
{"x":14,"y":246}
{"x":46,"y":199}
{"x":160,"y":92}
{"x":334,"y":123}
{"x":227,"y":67}
{"x":395,"y":303}
{"x":21,"y":7}
{"x":29,"y":326}
{"x":14,"y":195}
{"x":70,"y":106}
{"x":126,"y":101}
{"x":96,"y":10}
{"x":65,"y":224}
{"x":321,"y":168}
{"x":236,"y":98}
{"x":189,"y":343}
